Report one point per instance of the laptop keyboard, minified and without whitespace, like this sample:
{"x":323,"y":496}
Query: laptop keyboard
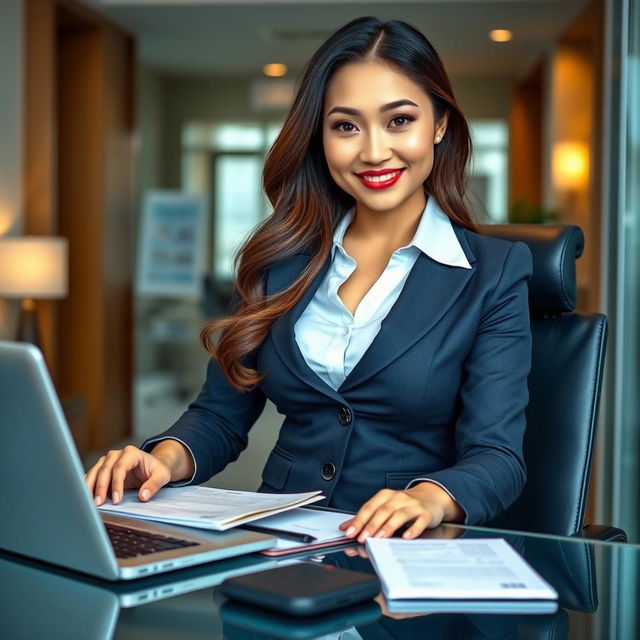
{"x":130,"y":543}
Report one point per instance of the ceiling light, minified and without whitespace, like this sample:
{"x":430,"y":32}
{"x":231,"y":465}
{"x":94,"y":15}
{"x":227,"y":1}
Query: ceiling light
{"x":275,"y":70}
{"x":500,"y":35}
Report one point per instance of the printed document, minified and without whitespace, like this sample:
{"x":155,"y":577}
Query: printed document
{"x":208,"y":508}
{"x":481,"y":568}
{"x":322,"y":525}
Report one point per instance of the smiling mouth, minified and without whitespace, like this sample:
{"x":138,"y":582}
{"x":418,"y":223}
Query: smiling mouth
{"x":379,"y":179}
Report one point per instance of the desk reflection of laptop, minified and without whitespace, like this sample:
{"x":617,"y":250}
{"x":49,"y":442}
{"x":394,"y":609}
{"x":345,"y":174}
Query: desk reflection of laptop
{"x":47,"y":511}
{"x":39,"y":601}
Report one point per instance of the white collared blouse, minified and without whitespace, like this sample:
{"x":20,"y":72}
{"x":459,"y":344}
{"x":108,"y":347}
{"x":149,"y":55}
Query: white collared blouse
{"x":331,"y":338}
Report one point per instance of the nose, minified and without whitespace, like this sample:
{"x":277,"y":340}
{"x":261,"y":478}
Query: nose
{"x":375,"y":147}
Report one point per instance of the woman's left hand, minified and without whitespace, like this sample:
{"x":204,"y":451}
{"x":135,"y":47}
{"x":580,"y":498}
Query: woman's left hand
{"x":426,"y":505}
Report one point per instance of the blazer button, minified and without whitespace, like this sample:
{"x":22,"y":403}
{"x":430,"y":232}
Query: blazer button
{"x":345,"y":416}
{"x":328,"y":470}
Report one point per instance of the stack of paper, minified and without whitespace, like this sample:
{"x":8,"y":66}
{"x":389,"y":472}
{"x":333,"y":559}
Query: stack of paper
{"x":207,"y":508}
{"x":474,"y":569}
{"x":319,"y":527}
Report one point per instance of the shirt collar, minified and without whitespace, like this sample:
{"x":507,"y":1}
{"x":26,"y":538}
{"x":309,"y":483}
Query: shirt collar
{"x":343,"y":225}
{"x":434,"y":236}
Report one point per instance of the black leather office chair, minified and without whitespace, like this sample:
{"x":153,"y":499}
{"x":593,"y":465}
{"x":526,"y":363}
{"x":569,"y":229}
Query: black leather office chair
{"x":564,"y":386}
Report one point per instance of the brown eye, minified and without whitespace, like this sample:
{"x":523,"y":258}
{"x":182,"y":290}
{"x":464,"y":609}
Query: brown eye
{"x":344,"y":127}
{"x":401,"y":121}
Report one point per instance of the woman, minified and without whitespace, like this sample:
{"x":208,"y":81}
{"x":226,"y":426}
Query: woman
{"x":391,"y":335}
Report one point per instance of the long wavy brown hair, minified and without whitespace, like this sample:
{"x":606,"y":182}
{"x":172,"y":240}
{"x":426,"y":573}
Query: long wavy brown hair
{"x":306,"y":201}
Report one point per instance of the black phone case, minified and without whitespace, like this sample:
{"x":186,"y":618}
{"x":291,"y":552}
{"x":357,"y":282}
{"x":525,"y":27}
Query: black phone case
{"x":303,"y":588}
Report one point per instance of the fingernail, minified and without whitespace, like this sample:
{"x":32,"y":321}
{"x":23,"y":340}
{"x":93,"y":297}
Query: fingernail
{"x":115,"y":497}
{"x":146,"y":494}
{"x":350,"y":532}
{"x":98,"y":501}
{"x":363,"y":536}
{"x":380,"y":534}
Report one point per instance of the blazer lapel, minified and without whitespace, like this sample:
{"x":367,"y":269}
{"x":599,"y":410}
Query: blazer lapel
{"x":430,"y":290}
{"x":282,"y":331}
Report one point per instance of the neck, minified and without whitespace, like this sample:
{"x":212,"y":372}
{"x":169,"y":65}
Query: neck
{"x":395,"y":227}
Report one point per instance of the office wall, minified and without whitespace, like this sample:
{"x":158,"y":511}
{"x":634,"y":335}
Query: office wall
{"x":228,"y":98}
{"x":149,"y":116}
{"x":149,"y":113}
{"x":11,"y":215}
{"x":199,"y":98}
{"x":481,"y":98}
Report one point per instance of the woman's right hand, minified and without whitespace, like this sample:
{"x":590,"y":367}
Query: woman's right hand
{"x":132,"y":468}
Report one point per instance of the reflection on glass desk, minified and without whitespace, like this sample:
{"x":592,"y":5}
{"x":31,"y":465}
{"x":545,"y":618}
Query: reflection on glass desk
{"x":598,"y":585}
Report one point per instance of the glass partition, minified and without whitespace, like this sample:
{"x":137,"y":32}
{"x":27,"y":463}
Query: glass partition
{"x":629,"y":450}
{"x":619,"y":460}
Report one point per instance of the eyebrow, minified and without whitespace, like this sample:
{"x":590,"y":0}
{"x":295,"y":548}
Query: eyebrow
{"x":385,"y":107}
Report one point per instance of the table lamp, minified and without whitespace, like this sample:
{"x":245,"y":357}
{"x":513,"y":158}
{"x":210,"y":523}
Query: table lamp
{"x":32,"y":267}
{"x":570,"y":172}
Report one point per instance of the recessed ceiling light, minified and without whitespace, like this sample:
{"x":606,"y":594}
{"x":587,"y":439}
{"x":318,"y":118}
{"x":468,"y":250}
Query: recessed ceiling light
{"x":500,"y":35}
{"x":275,"y":70}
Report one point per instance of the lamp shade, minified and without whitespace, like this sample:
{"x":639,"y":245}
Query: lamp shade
{"x":33,"y":267}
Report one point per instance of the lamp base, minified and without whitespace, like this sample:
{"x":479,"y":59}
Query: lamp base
{"x":28,"y":330}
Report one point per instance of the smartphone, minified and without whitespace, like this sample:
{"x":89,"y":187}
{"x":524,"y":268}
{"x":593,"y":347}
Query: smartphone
{"x":302,"y":588}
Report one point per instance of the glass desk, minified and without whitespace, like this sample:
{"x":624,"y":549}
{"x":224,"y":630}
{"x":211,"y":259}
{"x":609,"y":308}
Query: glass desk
{"x":598,"y":584}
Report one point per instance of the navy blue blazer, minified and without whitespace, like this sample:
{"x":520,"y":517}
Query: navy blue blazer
{"x":439,"y":394}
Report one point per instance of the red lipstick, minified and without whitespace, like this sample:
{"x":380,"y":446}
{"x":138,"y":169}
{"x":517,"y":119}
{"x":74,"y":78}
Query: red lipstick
{"x":384,"y":178}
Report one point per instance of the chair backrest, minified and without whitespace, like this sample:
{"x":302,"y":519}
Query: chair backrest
{"x":564,"y":384}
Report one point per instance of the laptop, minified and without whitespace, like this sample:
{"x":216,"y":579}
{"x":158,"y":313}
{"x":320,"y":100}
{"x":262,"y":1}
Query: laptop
{"x":48,"y":513}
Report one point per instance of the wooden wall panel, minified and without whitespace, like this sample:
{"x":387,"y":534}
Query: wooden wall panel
{"x":79,"y":184}
{"x":96,"y":194}
{"x":117,"y":229}
{"x":39,"y":143}
{"x":525,"y":139}
{"x":80,"y":197}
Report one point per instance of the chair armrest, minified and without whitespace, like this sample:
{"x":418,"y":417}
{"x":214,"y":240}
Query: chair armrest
{"x":601,"y":532}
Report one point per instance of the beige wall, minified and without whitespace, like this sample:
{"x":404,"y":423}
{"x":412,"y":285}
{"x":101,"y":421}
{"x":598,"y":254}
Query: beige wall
{"x":484,"y":97}
{"x":11,"y":214}
{"x":205,"y":98}
{"x":150,"y":109}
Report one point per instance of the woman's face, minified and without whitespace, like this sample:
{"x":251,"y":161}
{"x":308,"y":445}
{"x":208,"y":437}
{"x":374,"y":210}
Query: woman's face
{"x":379,"y":132}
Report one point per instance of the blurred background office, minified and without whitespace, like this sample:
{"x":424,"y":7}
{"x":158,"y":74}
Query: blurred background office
{"x":136,"y":132}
